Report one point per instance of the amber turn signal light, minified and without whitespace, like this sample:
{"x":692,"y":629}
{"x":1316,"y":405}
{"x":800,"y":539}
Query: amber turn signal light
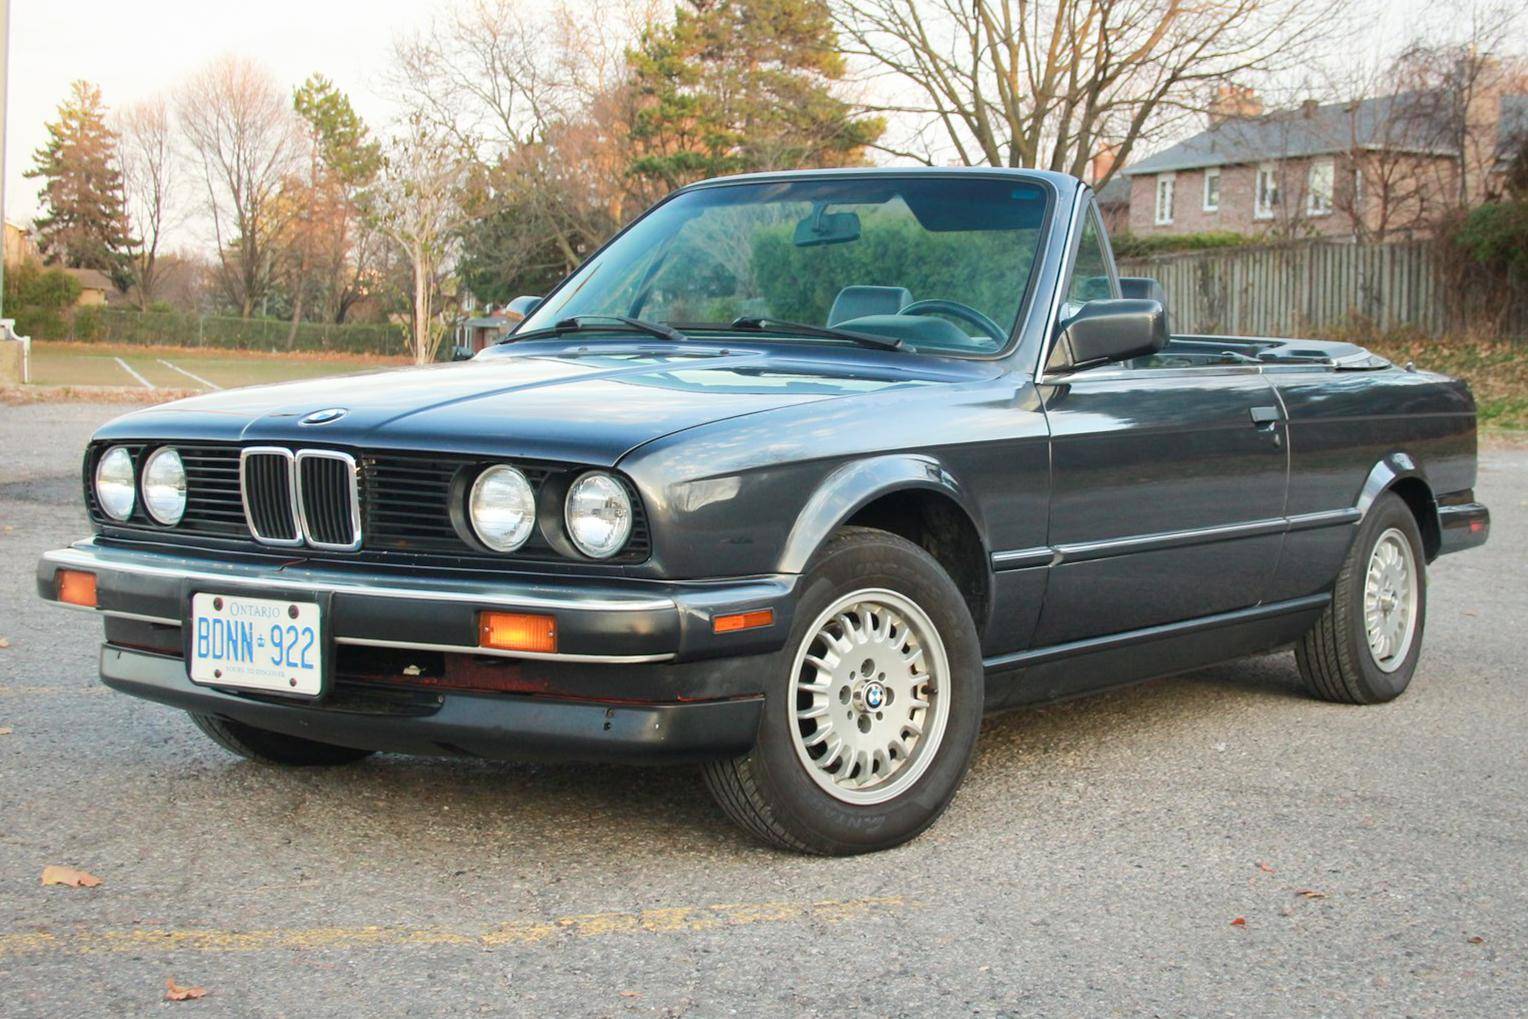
{"x":516,"y":631}
{"x":743,"y":621}
{"x":77,"y":588}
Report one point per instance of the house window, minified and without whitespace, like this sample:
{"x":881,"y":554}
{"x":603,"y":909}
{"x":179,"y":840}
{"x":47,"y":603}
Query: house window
{"x":1266,"y":198}
{"x":1212,"y":190}
{"x":1166,"y":185}
{"x":1318,"y":185}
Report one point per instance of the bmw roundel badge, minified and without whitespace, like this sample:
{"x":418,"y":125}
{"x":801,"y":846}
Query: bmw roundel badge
{"x":323,"y":417}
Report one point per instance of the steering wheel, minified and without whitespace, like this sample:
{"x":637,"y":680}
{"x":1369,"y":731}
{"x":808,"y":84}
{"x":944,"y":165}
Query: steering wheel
{"x":940,"y":306}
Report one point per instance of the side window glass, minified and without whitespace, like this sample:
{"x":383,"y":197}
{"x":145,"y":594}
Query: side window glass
{"x":1090,"y":272}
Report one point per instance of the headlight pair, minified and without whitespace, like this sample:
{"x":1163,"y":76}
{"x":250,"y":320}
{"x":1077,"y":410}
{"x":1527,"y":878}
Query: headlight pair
{"x":164,"y":485}
{"x":597,"y":511}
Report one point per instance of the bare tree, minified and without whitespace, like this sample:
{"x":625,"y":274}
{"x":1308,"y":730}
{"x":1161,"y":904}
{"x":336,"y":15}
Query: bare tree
{"x":1051,"y":83}
{"x":1456,"y":72}
{"x":149,"y":182}
{"x":418,"y":204}
{"x":538,"y":95}
{"x":484,"y":72}
{"x":241,"y":132}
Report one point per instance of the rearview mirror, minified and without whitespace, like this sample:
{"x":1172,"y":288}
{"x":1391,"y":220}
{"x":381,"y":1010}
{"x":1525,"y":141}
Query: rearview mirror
{"x":824,"y":227}
{"x":1106,"y":331}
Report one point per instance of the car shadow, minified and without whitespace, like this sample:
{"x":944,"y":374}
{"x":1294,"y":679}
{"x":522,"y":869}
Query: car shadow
{"x":595,"y":809}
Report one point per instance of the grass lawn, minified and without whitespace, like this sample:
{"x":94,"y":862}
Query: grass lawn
{"x":92,"y":364}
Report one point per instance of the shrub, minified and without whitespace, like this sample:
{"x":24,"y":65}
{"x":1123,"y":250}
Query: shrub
{"x":1484,"y":261}
{"x":87,"y":323}
{"x":1495,"y":236}
{"x":37,"y":298}
{"x":1128,"y":245}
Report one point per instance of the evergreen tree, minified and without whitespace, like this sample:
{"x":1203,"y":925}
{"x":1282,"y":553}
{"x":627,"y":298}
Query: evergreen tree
{"x":84,"y":225}
{"x":740,"y":85}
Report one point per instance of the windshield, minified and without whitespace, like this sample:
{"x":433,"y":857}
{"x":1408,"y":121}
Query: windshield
{"x":941,"y":264}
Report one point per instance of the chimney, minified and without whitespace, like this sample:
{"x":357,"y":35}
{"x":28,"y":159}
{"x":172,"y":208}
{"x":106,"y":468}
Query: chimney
{"x":1308,"y":108}
{"x":1234,"y":102}
{"x":1103,"y":163}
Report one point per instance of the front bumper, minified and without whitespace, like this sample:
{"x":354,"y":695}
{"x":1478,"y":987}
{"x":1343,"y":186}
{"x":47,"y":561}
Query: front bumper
{"x":493,"y":726}
{"x":638,"y":672}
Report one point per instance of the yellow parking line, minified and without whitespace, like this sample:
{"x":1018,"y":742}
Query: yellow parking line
{"x":680,"y":919}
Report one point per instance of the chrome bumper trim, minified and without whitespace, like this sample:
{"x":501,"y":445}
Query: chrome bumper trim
{"x":74,"y":558}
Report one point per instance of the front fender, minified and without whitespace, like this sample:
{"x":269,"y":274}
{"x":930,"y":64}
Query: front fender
{"x":854,"y":486}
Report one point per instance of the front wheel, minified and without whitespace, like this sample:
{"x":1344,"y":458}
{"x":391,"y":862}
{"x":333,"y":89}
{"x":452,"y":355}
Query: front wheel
{"x":1364,"y":648}
{"x":871,"y":717}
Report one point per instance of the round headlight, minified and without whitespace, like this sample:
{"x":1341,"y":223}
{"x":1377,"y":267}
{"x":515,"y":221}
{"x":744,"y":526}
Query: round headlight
{"x":114,"y":488}
{"x":164,"y":486}
{"x":502,"y":508}
{"x":599,"y":515}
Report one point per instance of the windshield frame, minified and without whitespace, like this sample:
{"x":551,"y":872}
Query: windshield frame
{"x":1026,"y":302}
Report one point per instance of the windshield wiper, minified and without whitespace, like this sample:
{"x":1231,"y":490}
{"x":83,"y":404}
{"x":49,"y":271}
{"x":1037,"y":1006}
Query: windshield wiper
{"x":776,"y":325}
{"x":591,"y":323}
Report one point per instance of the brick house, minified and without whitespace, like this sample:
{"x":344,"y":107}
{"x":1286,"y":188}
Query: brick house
{"x":1372,"y":169}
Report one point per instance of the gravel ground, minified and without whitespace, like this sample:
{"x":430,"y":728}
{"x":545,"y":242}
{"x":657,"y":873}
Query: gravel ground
{"x":1211,"y":844}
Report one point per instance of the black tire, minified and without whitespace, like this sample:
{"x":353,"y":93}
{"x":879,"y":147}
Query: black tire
{"x":769,"y":791}
{"x":273,"y":747}
{"x":1334,"y":656}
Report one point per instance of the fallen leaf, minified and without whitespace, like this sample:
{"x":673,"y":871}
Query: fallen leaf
{"x":1310,"y":893}
{"x":1240,"y":921}
{"x":5,"y":730}
{"x":52,"y":875}
{"x":175,"y":992}
{"x":1265,"y":868}
{"x":631,"y":994}
{"x":1477,"y":940}
{"x":4,"y":643}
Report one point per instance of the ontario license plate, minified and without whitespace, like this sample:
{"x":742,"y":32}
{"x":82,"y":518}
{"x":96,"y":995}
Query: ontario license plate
{"x":257,"y":644}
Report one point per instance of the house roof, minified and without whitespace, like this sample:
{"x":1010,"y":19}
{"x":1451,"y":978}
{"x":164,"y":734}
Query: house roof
{"x":92,"y":279}
{"x":1378,"y":123}
{"x":1116,"y":192}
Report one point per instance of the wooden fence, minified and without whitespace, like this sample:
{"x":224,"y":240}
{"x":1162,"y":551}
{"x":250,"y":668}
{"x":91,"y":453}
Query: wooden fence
{"x":1300,"y":288}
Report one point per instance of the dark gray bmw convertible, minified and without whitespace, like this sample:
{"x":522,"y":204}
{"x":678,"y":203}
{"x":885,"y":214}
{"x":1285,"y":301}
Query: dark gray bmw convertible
{"x":797,"y":476}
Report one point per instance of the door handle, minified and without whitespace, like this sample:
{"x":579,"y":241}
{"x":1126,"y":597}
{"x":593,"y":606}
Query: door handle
{"x":1265,"y":417}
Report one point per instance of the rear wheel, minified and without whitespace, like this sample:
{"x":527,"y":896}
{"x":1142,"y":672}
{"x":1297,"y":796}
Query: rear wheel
{"x":273,"y":747}
{"x":1364,"y":648}
{"x":871,"y":714}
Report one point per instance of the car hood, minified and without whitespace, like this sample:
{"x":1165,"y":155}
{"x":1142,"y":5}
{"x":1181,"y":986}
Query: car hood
{"x":554,"y":401}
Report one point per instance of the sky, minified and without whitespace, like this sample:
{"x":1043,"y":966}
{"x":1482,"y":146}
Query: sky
{"x":135,"y":48}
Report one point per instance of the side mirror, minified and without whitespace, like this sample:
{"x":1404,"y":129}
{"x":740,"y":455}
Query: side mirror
{"x":520,"y":307}
{"x":1106,"y":331}
{"x":1145,"y":288}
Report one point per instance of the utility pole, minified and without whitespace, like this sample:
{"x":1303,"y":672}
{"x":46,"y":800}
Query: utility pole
{"x":5,"y":74}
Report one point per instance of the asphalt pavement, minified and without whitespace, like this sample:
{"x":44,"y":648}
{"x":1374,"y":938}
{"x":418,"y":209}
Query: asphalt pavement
{"x":1213,"y":844}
